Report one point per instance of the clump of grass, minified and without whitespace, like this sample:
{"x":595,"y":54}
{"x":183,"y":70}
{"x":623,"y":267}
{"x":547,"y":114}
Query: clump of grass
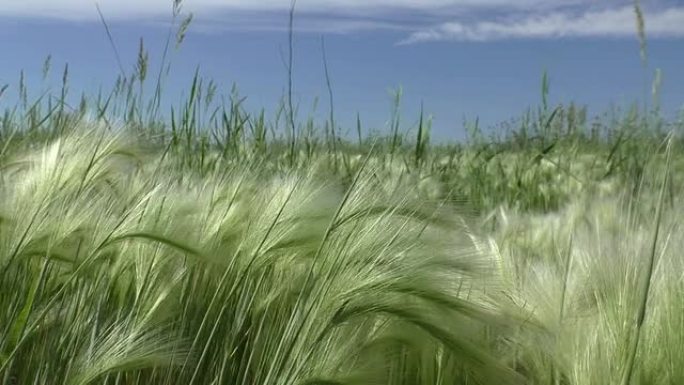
{"x":120,"y":271}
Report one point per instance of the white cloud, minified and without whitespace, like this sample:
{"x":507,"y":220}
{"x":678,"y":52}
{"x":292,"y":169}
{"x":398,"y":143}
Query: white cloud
{"x":318,"y":24}
{"x":421,"y":20}
{"x":126,"y":9}
{"x":616,"y":22}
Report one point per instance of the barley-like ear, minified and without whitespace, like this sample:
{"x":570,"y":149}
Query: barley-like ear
{"x":183,"y":30}
{"x":46,"y":66}
{"x":120,"y":348}
{"x":645,"y":289}
{"x":143,"y":60}
{"x":641,"y":31}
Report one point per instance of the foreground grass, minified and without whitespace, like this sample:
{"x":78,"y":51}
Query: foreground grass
{"x":125,"y":263}
{"x":117,"y":271}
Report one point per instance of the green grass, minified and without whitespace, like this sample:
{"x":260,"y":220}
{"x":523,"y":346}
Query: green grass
{"x":220,"y":246}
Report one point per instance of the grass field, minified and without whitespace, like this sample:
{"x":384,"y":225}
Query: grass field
{"x":215,"y":246}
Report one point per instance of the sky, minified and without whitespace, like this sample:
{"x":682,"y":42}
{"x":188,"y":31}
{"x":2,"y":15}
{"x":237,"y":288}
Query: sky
{"x":460,"y":59}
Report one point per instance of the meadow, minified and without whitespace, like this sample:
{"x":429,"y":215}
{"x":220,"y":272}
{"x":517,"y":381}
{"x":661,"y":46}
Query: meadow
{"x":220,"y":246}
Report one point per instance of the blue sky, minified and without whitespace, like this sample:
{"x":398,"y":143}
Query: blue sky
{"x":462,"y":58}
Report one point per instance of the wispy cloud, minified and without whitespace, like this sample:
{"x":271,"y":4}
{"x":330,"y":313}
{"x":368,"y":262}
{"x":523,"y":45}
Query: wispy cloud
{"x":85,"y":9}
{"x":420,"y":20}
{"x":305,"y":23}
{"x":615,"y":22}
